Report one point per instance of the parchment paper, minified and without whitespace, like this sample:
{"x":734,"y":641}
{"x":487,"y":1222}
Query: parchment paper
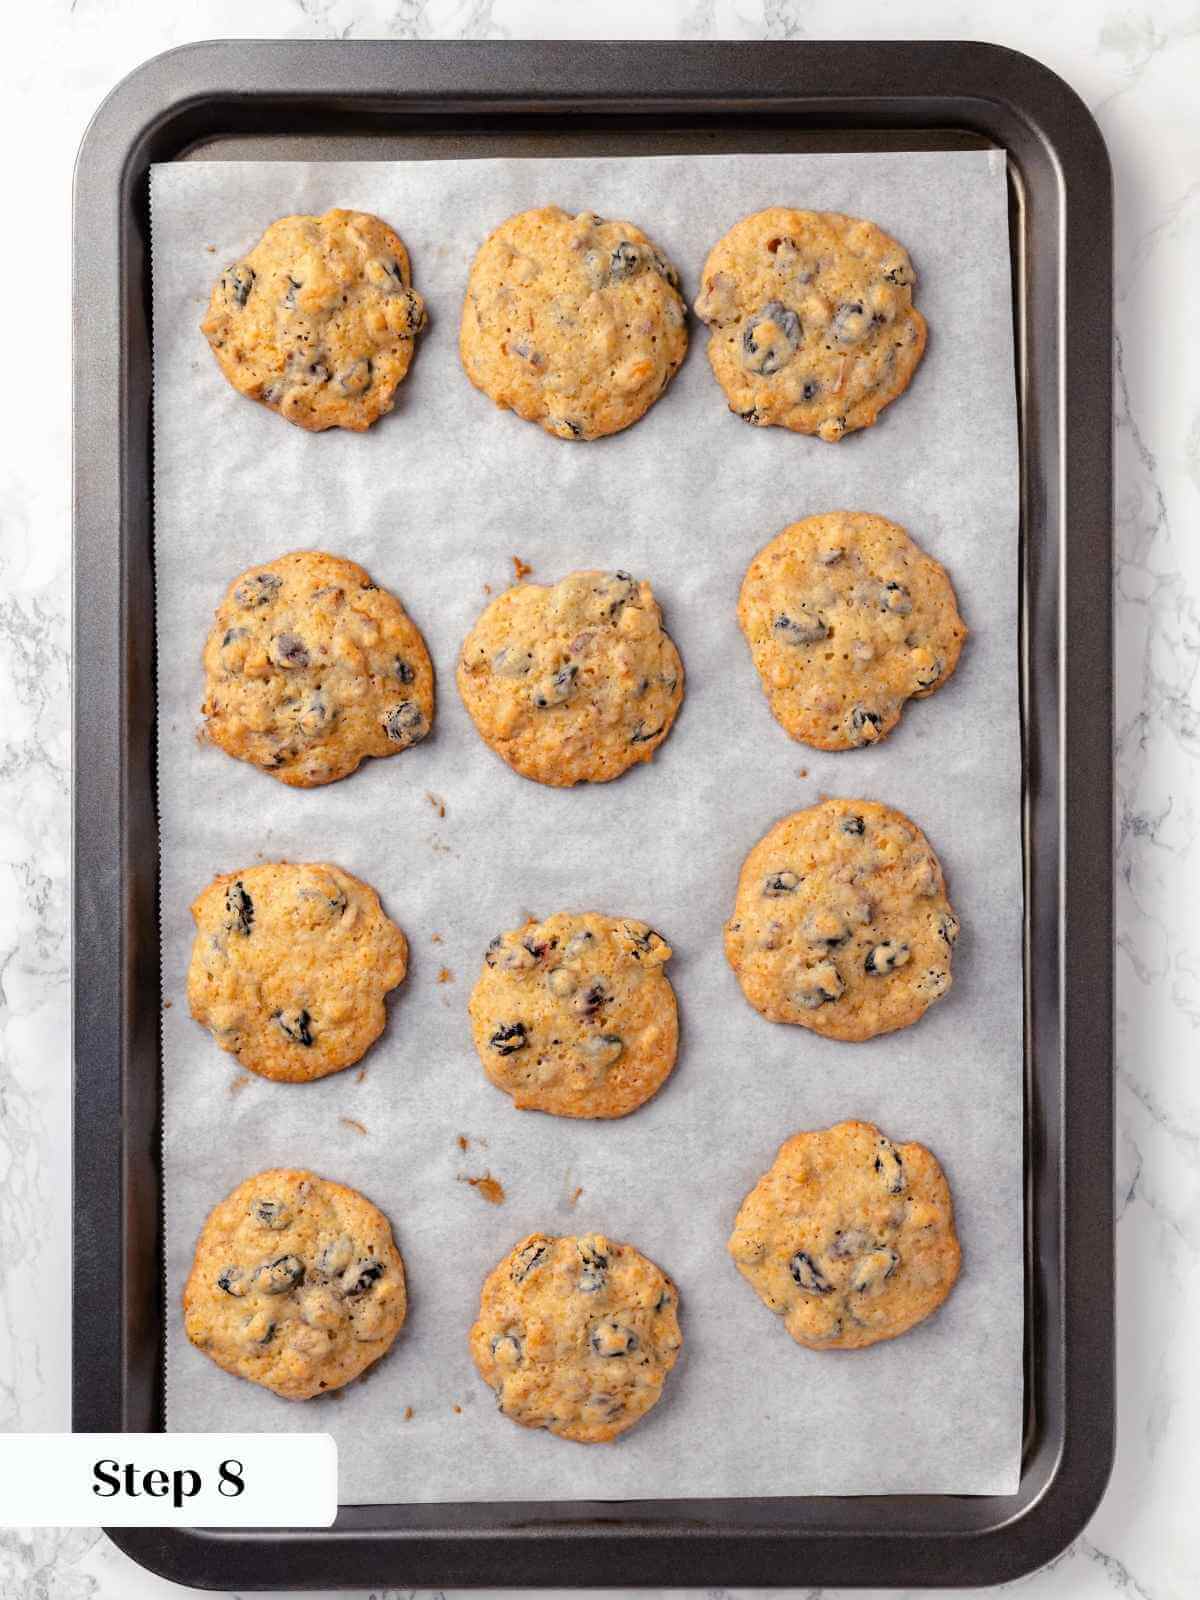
{"x":435,"y":501}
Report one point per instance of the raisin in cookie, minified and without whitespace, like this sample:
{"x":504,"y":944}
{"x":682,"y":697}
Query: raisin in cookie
{"x":849,"y":1238}
{"x":573,"y":683}
{"x":318,"y":321}
{"x":575,"y":1015}
{"x":572,"y":322}
{"x":813,"y":325}
{"x":841,"y":921}
{"x":576,"y":1335}
{"x":846,"y":619}
{"x":297,"y":1284}
{"x":290,"y":966}
{"x":310,"y":667}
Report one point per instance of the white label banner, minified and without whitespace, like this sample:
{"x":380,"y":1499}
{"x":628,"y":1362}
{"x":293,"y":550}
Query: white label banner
{"x":162,"y":1480}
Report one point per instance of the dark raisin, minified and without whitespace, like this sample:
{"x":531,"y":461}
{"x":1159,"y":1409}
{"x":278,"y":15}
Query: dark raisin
{"x":359,"y":1277}
{"x":280,"y":1275}
{"x":808,"y":1274}
{"x":890,"y":1166}
{"x":663,"y":267}
{"x":642,"y":735}
{"x":405,"y":724}
{"x":239,"y":910}
{"x":506,"y":1347}
{"x":288,"y":650}
{"x":272,"y":1214}
{"x":403,"y":671}
{"x":899,"y":273}
{"x":850,"y":322}
{"x":853,"y":825}
{"x":237,"y":282}
{"x":664,"y":1300}
{"x":575,"y":429}
{"x":874,"y":1270}
{"x":804,"y":628}
{"x":625,"y":262}
{"x":233,"y":1281}
{"x":896,"y":599}
{"x":231,"y":634}
{"x":780,"y":883}
{"x":766,"y":352}
{"x":293,"y":288}
{"x":865,"y":723}
{"x":948,"y":927}
{"x":752,"y":416}
{"x":926,"y":677}
{"x":355,"y":377}
{"x":883,"y":959}
{"x":810,"y":389}
{"x":610,"y":1339}
{"x":559,"y":689}
{"x":294,"y":1025}
{"x":528,"y":1259}
{"x":508,"y":1038}
{"x":259,"y":589}
{"x":588,"y":1001}
{"x":594,"y":1273}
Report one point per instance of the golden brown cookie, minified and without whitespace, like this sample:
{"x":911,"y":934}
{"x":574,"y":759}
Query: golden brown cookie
{"x":310,"y":667}
{"x":575,"y":1015}
{"x":576,"y":1335}
{"x":846,"y":619}
{"x":572,"y":322}
{"x":290,"y":965}
{"x":841,"y":921}
{"x":813,"y":325}
{"x":318,"y":321}
{"x":849,"y":1238}
{"x":297,"y":1284}
{"x":573,"y":683}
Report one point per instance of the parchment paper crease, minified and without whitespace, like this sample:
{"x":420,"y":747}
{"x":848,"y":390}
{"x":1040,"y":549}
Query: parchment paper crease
{"x":435,"y":501}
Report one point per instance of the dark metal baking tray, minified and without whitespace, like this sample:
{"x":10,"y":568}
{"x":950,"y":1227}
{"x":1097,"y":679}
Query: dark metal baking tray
{"x":399,"y":101}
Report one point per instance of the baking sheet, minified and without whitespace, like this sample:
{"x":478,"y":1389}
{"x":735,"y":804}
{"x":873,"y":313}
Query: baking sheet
{"x":435,"y":501}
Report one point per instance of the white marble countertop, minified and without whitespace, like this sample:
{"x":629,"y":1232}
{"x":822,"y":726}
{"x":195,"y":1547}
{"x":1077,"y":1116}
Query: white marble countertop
{"x":1137,"y":67}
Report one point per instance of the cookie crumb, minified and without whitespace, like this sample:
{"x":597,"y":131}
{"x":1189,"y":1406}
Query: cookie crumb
{"x":463,"y":1142}
{"x":487,"y":588}
{"x":804,"y":772}
{"x":353,"y":1122}
{"x":458,"y":1411}
{"x":573,"y":1199}
{"x":438,"y":804}
{"x":487,"y":1187}
{"x":211,"y":248}
{"x":521,"y":568}
{"x":445,"y":976}
{"x":408,"y":1413}
{"x":240,"y":1083}
{"x":436,"y":938}
{"x":360,"y":1074}
{"x":167,"y":1004}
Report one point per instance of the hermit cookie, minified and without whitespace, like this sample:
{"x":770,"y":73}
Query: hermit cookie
{"x":576,"y":1335}
{"x":813,"y":325}
{"x":573,"y":683}
{"x":572,"y":322}
{"x":846,"y":619}
{"x":289,"y":968}
{"x":849,"y":1238}
{"x":318,"y":321}
{"x":310,"y":667}
{"x":297,"y":1284}
{"x":575,"y":1015}
{"x":841,"y":921}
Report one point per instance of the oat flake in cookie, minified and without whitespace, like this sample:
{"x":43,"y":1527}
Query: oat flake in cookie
{"x":841,"y":921}
{"x":318,"y":322}
{"x":297,"y":1284}
{"x":846,"y":619}
{"x":290,"y":966}
{"x":575,"y":1015}
{"x":576,"y":1335}
{"x":572,"y":322}
{"x":572,"y":683}
{"x":311,"y":667}
{"x":849,"y":1237}
{"x":812,"y":322}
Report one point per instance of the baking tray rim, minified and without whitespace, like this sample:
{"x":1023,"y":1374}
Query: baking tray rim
{"x":153,"y":115}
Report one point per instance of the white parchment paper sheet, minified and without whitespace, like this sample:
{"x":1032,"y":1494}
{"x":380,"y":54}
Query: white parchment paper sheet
{"x":435,"y":501}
